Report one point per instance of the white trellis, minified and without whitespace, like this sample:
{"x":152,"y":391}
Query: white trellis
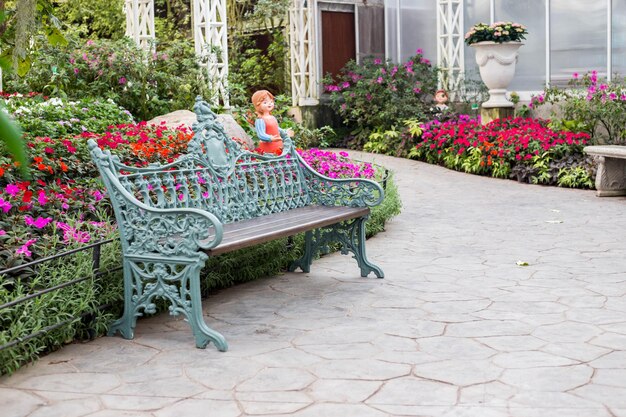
{"x":140,"y":22}
{"x":211,"y":40}
{"x":304,"y":80}
{"x":210,"y":37}
{"x":450,"y":41}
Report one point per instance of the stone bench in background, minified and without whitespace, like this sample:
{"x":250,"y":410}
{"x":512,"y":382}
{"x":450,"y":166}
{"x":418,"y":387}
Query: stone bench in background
{"x":611,"y":176}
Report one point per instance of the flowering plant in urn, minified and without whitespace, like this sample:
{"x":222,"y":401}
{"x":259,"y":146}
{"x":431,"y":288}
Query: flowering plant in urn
{"x":496,"y":55}
{"x":498,"y":32}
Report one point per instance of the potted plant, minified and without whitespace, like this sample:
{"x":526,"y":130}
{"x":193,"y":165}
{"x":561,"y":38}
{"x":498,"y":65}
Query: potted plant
{"x":496,"y":55}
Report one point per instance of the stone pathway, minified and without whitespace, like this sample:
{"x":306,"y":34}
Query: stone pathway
{"x":457,"y":327}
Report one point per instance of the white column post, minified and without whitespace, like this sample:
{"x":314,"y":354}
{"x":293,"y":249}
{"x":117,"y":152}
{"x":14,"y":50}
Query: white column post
{"x":304,"y":78}
{"x":211,"y":41}
{"x":140,"y":22}
{"x":450,"y":41}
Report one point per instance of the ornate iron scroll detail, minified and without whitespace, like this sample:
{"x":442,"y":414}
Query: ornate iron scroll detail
{"x":175,"y":280}
{"x":352,"y":192}
{"x":349,"y":234}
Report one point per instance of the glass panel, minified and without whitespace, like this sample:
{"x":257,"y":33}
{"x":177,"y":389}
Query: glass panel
{"x":577,"y":38}
{"x":619,"y":37}
{"x":391,"y":27}
{"x":418,"y":19}
{"x":476,"y":11}
{"x":530,"y":71}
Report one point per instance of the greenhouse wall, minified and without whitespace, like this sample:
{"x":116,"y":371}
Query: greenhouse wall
{"x":565,"y":36}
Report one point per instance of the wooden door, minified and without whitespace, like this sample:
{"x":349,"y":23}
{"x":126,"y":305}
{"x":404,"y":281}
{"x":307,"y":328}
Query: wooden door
{"x":338,"y":41}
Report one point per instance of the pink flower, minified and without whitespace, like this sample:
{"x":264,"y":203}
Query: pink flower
{"x":12,"y":189}
{"x":2,"y":232}
{"x":75,"y":70}
{"x":41,"y":198}
{"x":5,"y":205}
{"x":23,"y":250}
{"x":122,"y":80}
{"x":378,"y":61}
{"x":379,"y":80}
{"x":71,"y":233}
{"x":39,"y":223}
{"x":575,"y":75}
{"x":419,"y":51}
{"x":97,"y":195}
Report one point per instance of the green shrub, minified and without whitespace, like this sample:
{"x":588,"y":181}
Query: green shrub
{"x":57,"y":118}
{"x":147,"y":84}
{"x":590,"y":105}
{"x":378,"y":95}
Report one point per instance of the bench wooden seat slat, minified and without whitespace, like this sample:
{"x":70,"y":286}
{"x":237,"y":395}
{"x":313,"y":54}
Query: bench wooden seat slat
{"x":215,"y":199}
{"x":278,"y":225}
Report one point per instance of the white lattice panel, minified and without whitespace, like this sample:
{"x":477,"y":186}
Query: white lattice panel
{"x":450,"y":41}
{"x":140,"y":22}
{"x":304,"y":80}
{"x":211,"y":41}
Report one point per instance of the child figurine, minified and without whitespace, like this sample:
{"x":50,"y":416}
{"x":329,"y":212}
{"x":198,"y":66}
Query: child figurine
{"x":441,"y":98}
{"x":271,"y":136}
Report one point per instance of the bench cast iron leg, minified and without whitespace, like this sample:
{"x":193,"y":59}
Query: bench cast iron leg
{"x":351,"y":236}
{"x":358,"y":242}
{"x":147,"y":278}
{"x":305,"y":261}
{"x":126,"y":324}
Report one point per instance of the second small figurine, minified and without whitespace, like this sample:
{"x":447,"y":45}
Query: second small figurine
{"x":270,"y":135}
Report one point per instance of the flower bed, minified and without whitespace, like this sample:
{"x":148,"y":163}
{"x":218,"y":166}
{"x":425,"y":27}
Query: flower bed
{"x":65,"y":198}
{"x":525,"y":149}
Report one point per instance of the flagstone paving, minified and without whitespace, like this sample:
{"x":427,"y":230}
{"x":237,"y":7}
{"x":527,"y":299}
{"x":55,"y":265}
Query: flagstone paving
{"x":456,"y":328}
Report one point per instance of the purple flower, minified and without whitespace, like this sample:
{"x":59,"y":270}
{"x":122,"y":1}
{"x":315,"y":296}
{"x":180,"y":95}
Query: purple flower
{"x":122,"y":80}
{"x":378,"y":61}
{"x":75,"y":70}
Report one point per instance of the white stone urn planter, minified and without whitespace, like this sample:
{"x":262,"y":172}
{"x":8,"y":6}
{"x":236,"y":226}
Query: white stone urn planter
{"x":496,"y":62}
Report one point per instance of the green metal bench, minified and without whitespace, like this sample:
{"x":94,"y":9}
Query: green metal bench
{"x":215,"y":199}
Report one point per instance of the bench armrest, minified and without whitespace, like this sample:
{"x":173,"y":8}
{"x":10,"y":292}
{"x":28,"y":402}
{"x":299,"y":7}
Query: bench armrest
{"x":145,"y":229}
{"x":171,"y":232}
{"x":351,"y":192}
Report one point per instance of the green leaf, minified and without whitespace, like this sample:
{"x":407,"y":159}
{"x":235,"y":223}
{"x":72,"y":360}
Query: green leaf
{"x":55,"y":37}
{"x":11,"y":135}
{"x":23,"y":66}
